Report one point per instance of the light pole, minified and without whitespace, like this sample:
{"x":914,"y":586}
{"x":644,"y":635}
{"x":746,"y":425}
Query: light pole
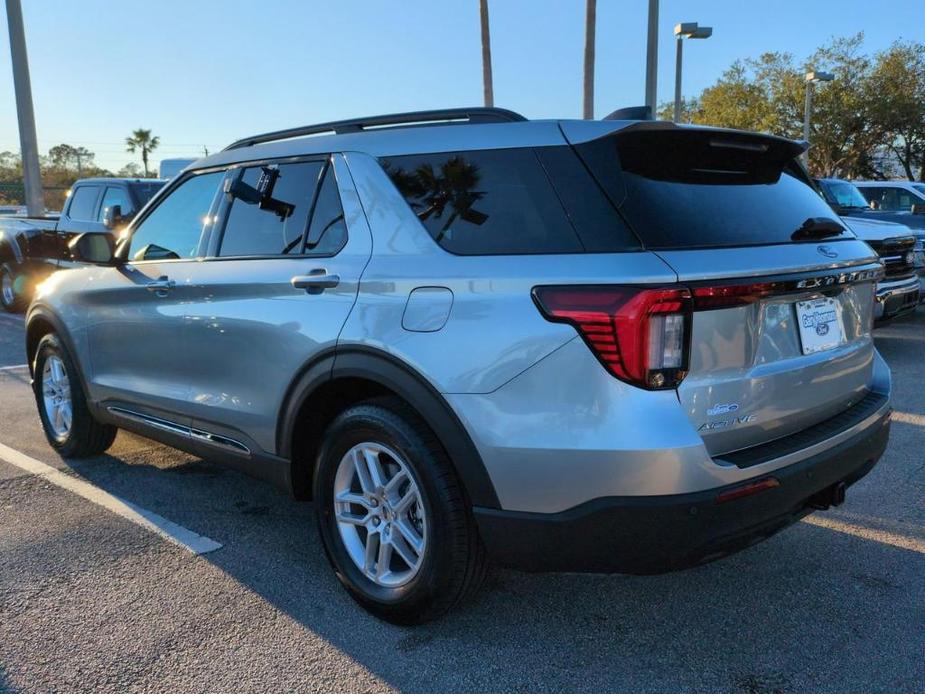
{"x":685,"y":30}
{"x":652,"y":58}
{"x":812,"y":77}
{"x":31,"y":175}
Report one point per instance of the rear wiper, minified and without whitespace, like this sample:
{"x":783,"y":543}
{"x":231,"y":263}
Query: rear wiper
{"x":818,"y":228}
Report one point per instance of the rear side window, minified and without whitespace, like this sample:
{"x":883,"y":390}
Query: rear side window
{"x":83,"y":203}
{"x":694,"y":188}
{"x":494,"y":202}
{"x":270,"y":209}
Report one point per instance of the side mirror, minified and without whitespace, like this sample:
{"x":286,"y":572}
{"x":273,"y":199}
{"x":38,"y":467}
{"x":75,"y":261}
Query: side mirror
{"x":98,"y":249}
{"x":112,"y":217}
{"x":918,"y":209}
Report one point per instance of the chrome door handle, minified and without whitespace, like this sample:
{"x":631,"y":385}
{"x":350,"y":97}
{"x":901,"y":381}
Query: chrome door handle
{"x":161,"y":285}
{"x":316,"y":282}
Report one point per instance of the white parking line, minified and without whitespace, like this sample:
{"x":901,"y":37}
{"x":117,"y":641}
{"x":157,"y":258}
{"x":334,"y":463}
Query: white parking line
{"x":170,"y":531}
{"x":909,"y":418}
{"x":14,"y":368}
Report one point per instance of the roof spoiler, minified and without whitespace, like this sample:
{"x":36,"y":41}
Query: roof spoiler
{"x":631,"y":113}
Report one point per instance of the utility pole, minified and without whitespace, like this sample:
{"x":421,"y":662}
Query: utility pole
{"x":32,"y":176}
{"x":590,"y":22}
{"x":486,"y":55}
{"x":652,"y":59}
{"x":79,"y":156}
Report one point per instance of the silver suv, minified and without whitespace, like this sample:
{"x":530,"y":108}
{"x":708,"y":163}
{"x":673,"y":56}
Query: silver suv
{"x":564,"y":345}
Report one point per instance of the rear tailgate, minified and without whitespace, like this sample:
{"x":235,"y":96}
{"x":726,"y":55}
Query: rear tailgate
{"x":783,"y":293}
{"x":755,"y":375}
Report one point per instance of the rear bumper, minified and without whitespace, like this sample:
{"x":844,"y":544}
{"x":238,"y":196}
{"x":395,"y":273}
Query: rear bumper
{"x":654,"y":534}
{"x":896,"y":298}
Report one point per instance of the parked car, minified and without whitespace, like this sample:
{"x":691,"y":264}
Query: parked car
{"x":847,"y":201}
{"x":31,"y":248}
{"x":585,"y":346}
{"x":12,"y":210}
{"x":894,"y":196}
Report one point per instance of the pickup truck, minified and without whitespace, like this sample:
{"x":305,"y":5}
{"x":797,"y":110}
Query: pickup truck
{"x":31,"y":248}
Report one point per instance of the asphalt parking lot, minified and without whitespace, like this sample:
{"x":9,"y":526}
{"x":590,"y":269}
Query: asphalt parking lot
{"x":90,"y":600}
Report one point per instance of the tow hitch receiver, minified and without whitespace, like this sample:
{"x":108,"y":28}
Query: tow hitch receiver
{"x":828,"y":497}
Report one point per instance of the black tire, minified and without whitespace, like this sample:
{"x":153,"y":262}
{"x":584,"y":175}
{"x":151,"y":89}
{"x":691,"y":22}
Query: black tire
{"x":453,"y":563}
{"x":14,"y":296}
{"x":85,"y":437}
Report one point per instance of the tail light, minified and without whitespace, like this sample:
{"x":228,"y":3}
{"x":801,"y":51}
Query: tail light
{"x":641,"y":336}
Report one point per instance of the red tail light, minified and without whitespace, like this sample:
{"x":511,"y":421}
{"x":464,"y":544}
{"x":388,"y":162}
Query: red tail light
{"x":726,"y":296}
{"x":640,"y":335}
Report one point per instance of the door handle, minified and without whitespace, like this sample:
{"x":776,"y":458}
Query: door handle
{"x":161,"y":285}
{"x":315,"y":282}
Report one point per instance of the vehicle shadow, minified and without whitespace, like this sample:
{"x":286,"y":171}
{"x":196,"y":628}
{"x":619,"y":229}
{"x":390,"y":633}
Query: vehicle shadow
{"x":804,"y":609}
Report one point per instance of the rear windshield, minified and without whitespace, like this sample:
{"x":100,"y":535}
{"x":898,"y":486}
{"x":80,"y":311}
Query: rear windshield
{"x":145,"y":191}
{"x":696,"y":188}
{"x":510,"y":201}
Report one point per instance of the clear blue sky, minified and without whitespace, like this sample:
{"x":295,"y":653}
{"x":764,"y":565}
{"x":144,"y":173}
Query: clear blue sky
{"x":205,"y":72}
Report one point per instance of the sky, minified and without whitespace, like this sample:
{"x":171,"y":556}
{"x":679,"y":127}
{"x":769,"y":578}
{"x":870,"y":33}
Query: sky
{"x":207,"y":72}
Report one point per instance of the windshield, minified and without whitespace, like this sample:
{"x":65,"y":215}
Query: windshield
{"x":845,"y":194}
{"x":920,"y":187}
{"x":145,"y":191}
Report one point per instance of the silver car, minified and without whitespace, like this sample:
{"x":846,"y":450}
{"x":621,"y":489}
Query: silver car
{"x":561,"y":345}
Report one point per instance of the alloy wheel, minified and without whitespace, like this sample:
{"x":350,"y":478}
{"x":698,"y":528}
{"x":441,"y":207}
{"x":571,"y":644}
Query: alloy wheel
{"x":56,"y":395}
{"x":380,"y":514}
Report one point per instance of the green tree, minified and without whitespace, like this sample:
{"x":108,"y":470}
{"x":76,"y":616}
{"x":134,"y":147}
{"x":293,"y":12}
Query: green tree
{"x":896,"y":91}
{"x":142,"y":141}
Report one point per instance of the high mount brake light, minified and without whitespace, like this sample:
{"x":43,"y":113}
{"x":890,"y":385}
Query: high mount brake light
{"x":640,"y":335}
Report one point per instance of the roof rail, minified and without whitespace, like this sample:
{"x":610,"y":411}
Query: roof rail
{"x":414,"y":118}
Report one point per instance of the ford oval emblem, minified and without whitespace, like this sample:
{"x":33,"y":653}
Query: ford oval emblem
{"x":827,"y":251}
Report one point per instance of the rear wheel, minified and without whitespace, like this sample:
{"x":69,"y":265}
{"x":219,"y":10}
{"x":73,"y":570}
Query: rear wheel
{"x":69,"y":426}
{"x":13,"y":295}
{"x":392,"y":514}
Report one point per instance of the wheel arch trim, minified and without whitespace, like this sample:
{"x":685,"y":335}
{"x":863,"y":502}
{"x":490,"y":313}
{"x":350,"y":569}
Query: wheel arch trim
{"x":389,"y":372}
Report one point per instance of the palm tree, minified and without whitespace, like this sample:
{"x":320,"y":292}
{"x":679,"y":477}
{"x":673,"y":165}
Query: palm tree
{"x":486,"y":54}
{"x":590,"y":21}
{"x":141,"y":140}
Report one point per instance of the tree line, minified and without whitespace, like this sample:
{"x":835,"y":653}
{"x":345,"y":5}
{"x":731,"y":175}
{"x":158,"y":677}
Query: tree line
{"x":66,"y":163}
{"x":869,"y":122}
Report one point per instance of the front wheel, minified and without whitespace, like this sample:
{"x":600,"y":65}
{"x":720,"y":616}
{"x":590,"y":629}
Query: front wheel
{"x":69,"y":426}
{"x":392,"y":514}
{"x":13,"y":295}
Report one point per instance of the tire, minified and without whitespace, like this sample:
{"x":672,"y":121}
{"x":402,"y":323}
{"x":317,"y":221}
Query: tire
{"x":13,"y":295}
{"x":452,"y":562}
{"x":78,"y":435}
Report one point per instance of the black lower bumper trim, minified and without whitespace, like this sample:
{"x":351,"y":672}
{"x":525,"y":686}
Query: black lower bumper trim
{"x":645,"y":535}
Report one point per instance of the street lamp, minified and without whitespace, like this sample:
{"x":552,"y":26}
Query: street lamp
{"x":685,"y":30}
{"x":812,"y":77}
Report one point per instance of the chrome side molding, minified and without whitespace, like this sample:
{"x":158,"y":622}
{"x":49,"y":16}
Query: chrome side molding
{"x":208,"y":437}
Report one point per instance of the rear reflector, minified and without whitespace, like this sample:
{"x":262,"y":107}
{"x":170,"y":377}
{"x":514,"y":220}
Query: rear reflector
{"x":640,"y":335}
{"x":747,"y":490}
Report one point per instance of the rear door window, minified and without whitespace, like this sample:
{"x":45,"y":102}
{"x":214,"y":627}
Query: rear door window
{"x":327,"y":233}
{"x":83,"y":203}
{"x":696,"y":189}
{"x":270,"y":209}
{"x":493,"y":202}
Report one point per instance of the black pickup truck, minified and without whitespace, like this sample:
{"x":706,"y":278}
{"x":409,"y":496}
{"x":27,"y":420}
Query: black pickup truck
{"x":31,"y":248}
